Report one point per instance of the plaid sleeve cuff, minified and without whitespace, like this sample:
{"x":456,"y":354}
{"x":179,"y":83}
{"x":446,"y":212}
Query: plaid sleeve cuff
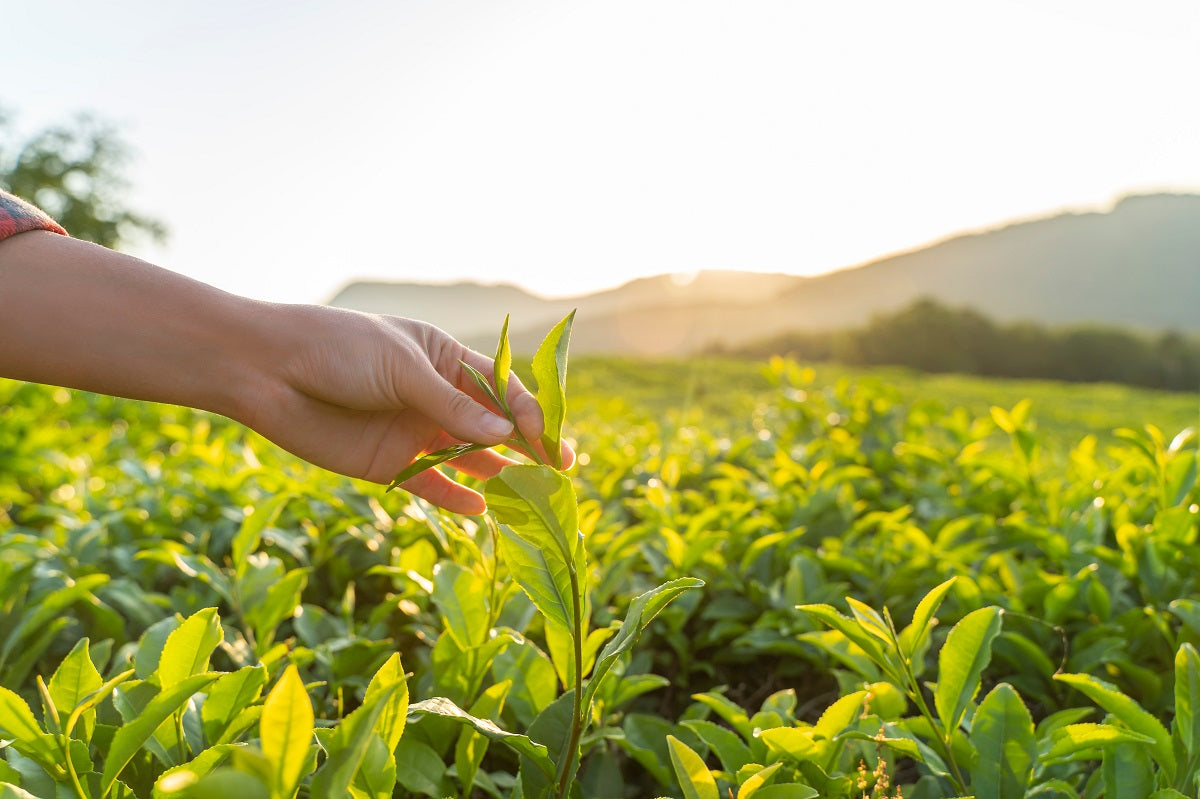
{"x":18,"y":216}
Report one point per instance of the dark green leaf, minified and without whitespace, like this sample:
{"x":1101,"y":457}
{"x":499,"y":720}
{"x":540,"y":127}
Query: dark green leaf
{"x":1002,"y":733}
{"x":964,"y":655}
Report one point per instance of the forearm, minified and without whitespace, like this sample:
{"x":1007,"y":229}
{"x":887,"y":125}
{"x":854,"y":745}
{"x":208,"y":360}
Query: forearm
{"x":78,"y":315}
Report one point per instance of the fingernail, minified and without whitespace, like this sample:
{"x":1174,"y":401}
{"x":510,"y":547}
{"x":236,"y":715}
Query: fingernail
{"x":494,"y":425}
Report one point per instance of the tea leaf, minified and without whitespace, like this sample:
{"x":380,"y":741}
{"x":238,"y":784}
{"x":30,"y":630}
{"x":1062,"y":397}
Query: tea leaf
{"x":480,"y":380}
{"x":286,"y":731}
{"x":394,"y":716}
{"x":1066,"y":741}
{"x":250,"y":533}
{"x":914,"y":636}
{"x":1128,"y":772}
{"x":642,"y":611}
{"x":964,"y":655}
{"x":74,"y":679}
{"x":1187,"y":698}
{"x":1002,"y":733}
{"x":230,"y":694}
{"x":727,"y":746}
{"x":189,"y":647}
{"x":18,"y":723}
{"x":433,"y":459}
{"x":347,"y":747}
{"x":537,"y":509}
{"x":130,"y":738}
{"x":502,"y":368}
{"x":550,"y":372}
{"x":757,"y":781}
{"x":471,"y":745}
{"x":1129,"y":713}
{"x":694,"y":777}
{"x":523,"y":745}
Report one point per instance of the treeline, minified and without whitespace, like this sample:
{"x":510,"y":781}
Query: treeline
{"x":933,"y":338}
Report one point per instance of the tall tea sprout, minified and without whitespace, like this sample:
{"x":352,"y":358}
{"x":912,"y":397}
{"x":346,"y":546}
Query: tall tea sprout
{"x":537,"y":515}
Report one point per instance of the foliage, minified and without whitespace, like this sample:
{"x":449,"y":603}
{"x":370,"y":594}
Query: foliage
{"x":75,"y":172}
{"x":933,"y":338}
{"x":904,"y":593}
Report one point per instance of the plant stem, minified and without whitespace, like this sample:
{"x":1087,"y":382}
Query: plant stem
{"x":65,"y":746}
{"x":568,"y":764}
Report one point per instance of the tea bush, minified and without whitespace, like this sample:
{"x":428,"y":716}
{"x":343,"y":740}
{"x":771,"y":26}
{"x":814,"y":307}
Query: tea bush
{"x":903,"y":594}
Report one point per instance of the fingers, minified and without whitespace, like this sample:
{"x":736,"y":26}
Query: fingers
{"x":524,"y":407}
{"x":454,"y":410}
{"x":435,"y":487}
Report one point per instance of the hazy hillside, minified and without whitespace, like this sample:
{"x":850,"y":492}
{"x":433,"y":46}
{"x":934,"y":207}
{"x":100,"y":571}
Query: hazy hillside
{"x":1137,"y":265}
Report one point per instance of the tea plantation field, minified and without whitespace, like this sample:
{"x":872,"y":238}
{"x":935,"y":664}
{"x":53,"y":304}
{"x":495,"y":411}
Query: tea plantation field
{"x":790,"y":583}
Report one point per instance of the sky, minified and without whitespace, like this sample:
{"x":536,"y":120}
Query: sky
{"x":566,"y":146}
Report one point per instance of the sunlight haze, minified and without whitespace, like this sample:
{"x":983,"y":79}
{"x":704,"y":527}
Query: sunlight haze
{"x":568,"y":147}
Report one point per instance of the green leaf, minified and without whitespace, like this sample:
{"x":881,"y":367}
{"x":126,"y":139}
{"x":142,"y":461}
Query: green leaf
{"x":964,"y":655}
{"x":727,"y":746}
{"x":130,"y":738}
{"x":550,"y":372}
{"x":856,"y":635}
{"x":286,"y":731}
{"x":551,"y":729}
{"x":1187,"y":697}
{"x":1002,"y":733}
{"x":181,"y":777}
{"x":1127,"y":772}
{"x":229,"y":696}
{"x":189,"y":647}
{"x":150,"y":645}
{"x":440,"y":706}
{"x":539,"y":519}
{"x":757,"y":781}
{"x":1073,"y":738}
{"x":18,"y":723}
{"x":89,"y":702}
{"x":1129,"y":713}
{"x":915,"y":634}
{"x":245,"y":543}
{"x":8,"y":791}
{"x":226,"y":783}
{"x":481,"y":380}
{"x":870,"y":620}
{"x":73,"y":681}
{"x":461,"y":597}
{"x":419,"y":768}
{"x":786,"y":791}
{"x":694,"y":777}
{"x":794,"y":742}
{"x":471,"y":745}
{"x":642,"y":611}
{"x":376,"y":777}
{"x":394,"y":714}
{"x":502,"y":367}
{"x":433,"y":459}
{"x":348,"y":745}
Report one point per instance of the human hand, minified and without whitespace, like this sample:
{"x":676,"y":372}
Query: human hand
{"x":364,"y":395}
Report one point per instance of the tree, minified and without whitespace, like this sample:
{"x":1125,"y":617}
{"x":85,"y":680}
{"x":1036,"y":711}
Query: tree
{"x":74,"y":172}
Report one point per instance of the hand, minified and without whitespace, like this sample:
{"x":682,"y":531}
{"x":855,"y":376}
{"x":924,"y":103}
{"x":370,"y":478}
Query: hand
{"x":358,"y":394}
{"x":365,"y":395}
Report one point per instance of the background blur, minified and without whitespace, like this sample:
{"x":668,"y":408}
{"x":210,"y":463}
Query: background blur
{"x":291,"y":147}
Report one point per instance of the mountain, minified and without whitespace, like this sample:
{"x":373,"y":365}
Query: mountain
{"x":1136,"y":265}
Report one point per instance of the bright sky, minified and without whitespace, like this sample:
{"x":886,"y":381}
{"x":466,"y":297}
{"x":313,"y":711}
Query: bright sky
{"x":566,"y":146}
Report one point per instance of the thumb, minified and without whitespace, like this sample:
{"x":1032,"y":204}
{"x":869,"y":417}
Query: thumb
{"x":457,"y":412}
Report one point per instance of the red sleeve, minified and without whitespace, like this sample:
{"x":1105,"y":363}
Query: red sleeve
{"x":18,"y":216}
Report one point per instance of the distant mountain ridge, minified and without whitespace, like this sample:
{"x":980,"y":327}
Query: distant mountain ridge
{"x":1136,"y":265}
